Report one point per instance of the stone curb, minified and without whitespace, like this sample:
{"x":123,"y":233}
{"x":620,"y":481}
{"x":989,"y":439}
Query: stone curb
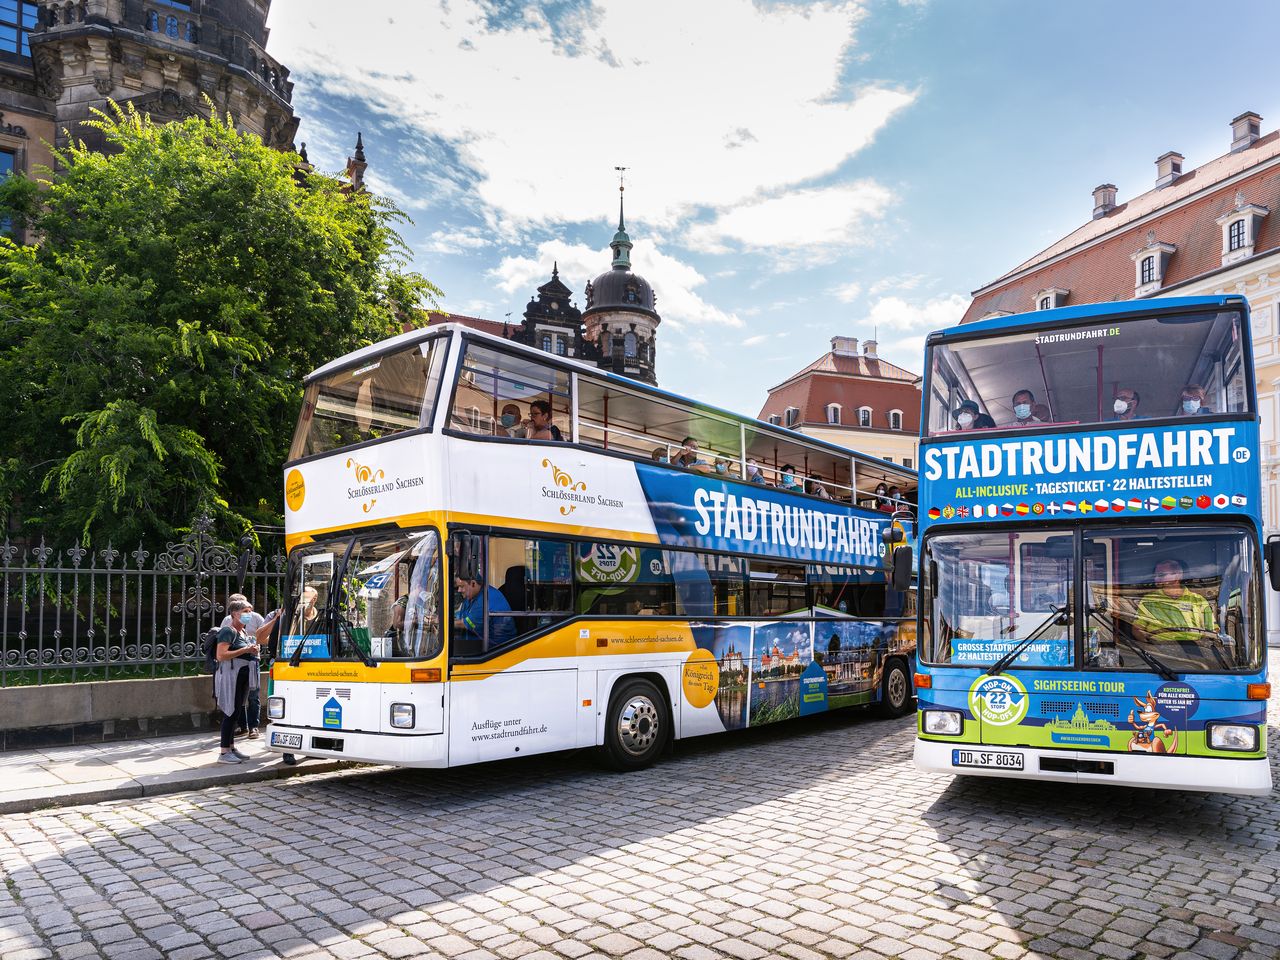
{"x":50,"y":798}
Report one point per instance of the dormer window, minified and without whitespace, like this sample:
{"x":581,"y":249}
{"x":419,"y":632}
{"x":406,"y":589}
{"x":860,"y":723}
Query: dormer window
{"x":792,"y":416}
{"x":1240,"y":229}
{"x":1149,"y":265}
{"x":864,"y":416}
{"x":895,"y":419}
{"x":833,"y":413}
{"x":1051,"y":298}
{"x":775,"y":419}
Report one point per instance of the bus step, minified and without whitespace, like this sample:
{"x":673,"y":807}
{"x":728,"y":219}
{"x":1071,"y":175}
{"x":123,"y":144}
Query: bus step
{"x":332,"y":744}
{"x":1070,"y":765}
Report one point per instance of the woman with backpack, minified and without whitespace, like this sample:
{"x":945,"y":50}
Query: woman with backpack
{"x":237,"y":652}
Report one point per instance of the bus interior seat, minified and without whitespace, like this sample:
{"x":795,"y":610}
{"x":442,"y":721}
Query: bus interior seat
{"x":516,"y":592}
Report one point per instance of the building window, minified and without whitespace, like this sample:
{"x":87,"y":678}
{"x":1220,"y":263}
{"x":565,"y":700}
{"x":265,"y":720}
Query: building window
{"x":629,"y":345}
{"x":833,"y":413}
{"x":793,"y":416}
{"x":906,"y":461}
{"x":189,"y":33}
{"x":153,"y":21}
{"x":560,"y":347}
{"x":1045,"y":303}
{"x":180,"y":4}
{"x":546,"y":342}
{"x":1235,"y":235}
{"x":864,"y":416}
{"x":775,"y":419}
{"x":17,"y":19}
{"x":1148,"y":269}
{"x":895,"y":419}
{"x":171,"y":27}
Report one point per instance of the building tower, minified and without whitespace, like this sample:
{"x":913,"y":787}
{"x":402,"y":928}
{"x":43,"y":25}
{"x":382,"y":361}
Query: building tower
{"x":551,"y":322}
{"x":620,"y":319}
{"x":163,"y":56}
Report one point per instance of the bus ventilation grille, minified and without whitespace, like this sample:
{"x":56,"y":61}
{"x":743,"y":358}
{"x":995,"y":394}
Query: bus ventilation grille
{"x":1057,"y":708}
{"x":1102,"y":708}
{"x":1067,"y":708}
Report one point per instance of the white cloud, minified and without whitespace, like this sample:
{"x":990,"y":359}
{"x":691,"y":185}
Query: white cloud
{"x":898,"y":282}
{"x":712,"y":105}
{"x":673,"y":280}
{"x":896,"y":314}
{"x":802,"y":219}
{"x":458,"y":241}
{"x":758,"y":339}
{"x":847,"y":292}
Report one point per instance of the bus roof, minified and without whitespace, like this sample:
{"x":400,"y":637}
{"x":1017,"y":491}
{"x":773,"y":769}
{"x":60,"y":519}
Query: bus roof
{"x":1117,"y":308}
{"x":400,"y":341}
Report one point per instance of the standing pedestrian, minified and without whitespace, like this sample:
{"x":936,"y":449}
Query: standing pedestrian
{"x":236,"y":645}
{"x":260,"y":627}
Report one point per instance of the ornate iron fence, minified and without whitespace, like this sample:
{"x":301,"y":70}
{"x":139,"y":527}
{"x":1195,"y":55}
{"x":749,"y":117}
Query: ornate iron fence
{"x":82,"y":614}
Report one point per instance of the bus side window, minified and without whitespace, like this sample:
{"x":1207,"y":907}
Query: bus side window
{"x":534,"y":578}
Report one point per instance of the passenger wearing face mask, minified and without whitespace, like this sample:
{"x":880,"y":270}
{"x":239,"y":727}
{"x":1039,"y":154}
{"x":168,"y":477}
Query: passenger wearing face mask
{"x":967,"y":417}
{"x":659,"y":455}
{"x":755,"y":475}
{"x":790,"y":482}
{"x":1192,"y":404}
{"x":722,"y":466}
{"x":237,"y":652}
{"x":1024,"y":402}
{"x":1125,"y":404}
{"x":510,"y":423}
{"x":882,"y":499}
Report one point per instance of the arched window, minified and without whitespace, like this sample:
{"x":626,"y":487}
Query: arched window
{"x":1235,"y":235}
{"x":629,"y":344}
{"x":560,"y":346}
{"x":864,"y":416}
{"x":153,"y":21}
{"x":1148,"y":269}
{"x":833,"y":413}
{"x":171,"y":27}
{"x":792,"y":416}
{"x":895,"y":419}
{"x":189,"y":33}
{"x":1046,"y":303}
{"x":546,"y":342}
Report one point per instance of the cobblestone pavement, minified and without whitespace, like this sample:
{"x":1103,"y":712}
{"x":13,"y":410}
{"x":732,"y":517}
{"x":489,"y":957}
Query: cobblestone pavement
{"x":816,"y":839}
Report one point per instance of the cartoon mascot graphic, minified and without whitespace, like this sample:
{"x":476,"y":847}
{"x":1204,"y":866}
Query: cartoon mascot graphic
{"x":1145,"y":738}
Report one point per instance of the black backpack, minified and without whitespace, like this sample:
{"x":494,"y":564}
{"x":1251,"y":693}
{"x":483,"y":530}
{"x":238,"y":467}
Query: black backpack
{"x":210,"y":646}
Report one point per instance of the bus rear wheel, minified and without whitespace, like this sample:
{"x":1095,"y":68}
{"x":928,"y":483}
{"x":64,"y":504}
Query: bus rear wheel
{"x":636,"y":727}
{"x":895,"y":690}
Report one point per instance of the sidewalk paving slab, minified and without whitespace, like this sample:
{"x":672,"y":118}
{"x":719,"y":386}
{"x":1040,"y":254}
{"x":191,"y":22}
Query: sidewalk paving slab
{"x":129,"y":769}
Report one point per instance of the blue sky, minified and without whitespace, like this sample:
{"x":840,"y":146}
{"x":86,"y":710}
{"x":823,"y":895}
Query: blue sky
{"x":797,"y":171}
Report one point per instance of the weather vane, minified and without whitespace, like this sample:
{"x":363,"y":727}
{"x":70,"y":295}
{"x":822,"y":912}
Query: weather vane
{"x":621,"y":173}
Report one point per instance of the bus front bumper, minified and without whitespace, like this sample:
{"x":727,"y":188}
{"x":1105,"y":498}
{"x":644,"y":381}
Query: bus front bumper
{"x":1204,"y":774}
{"x":400,"y":749}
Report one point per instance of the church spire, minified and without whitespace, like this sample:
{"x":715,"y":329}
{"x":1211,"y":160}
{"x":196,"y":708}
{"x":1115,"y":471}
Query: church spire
{"x":621,"y":243}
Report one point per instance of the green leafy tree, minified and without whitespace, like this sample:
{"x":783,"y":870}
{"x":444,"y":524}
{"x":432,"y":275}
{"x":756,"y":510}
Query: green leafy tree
{"x":154,"y":338}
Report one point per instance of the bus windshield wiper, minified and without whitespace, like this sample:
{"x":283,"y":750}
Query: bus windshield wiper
{"x":1026,"y":641}
{"x":330,"y":603}
{"x":1152,"y":661}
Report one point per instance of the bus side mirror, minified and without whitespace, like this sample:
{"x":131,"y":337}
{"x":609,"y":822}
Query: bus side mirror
{"x":1271,"y":553}
{"x":467,"y":552}
{"x":902,"y":564}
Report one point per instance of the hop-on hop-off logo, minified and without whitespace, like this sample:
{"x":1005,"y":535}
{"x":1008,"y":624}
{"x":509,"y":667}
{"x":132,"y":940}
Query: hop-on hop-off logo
{"x":998,"y":700}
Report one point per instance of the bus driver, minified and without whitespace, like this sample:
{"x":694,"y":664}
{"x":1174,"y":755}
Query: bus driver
{"x":1173,"y":612}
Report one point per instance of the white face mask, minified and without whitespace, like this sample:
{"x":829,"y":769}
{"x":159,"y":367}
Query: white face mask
{"x":965,"y":419}
{"x":1022,"y":410}
{"x":1191,"y":406}
{"x":1120,"y":406}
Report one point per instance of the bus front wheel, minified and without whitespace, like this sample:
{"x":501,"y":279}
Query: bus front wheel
{"x":636,"y":727}
{"x":895,"y":690}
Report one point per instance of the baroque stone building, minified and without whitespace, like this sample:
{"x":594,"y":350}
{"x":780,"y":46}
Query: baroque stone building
{"x":59,"y":59}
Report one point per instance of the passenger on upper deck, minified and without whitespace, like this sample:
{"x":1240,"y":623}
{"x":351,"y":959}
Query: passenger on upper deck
{"x":816,"y":489}
{"x":689,"y":458}
{"x":540,"y":425}
{"x":968,"y":418}
{"x":1041,"y":412}
{"x":1024,"y":409}
{"x":510,"y":422}
{"x":659,"y":455}
{"x":790,"y":482}
{"x":1193,"y":401}
{"x":754,"y":474}
{"x":1126,"y":403}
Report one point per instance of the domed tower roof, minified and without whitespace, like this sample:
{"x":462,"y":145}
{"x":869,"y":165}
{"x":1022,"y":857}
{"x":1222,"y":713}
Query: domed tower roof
{"x":619,"y":289}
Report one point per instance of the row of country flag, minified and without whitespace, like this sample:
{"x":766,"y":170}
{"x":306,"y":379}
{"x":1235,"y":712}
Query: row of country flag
{"x":980,"y":511}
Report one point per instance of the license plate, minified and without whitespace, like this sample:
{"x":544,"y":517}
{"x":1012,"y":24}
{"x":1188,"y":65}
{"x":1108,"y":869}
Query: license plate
{"x":981,"y":758}
{"x":290,"y":740}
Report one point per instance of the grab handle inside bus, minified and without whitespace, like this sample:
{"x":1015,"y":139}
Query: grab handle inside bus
{"x":467,"y":551}
{"x":1272,"y":555}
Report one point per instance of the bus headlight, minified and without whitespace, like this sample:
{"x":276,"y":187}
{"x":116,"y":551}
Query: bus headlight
{"x":402,"y":715}
{"x":1233,"y":736}
{"x":944,"y":723}
{"x":275,"y":708}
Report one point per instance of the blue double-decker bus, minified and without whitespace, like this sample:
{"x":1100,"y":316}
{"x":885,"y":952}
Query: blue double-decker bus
{"x":1091,"y":554}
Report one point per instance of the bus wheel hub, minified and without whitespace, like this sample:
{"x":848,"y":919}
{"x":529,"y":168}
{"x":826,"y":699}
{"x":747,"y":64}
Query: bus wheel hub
{"x":638,"y":725}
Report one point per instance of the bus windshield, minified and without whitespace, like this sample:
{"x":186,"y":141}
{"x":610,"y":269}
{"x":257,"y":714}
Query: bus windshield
{"x":1090,"y":373}
{"x":387,"y":605}
{"x":384,"y":396}
{"x":1186,"y":597}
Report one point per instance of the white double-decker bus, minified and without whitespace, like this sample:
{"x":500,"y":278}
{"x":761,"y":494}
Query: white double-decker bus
{"x":462,"y":588}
